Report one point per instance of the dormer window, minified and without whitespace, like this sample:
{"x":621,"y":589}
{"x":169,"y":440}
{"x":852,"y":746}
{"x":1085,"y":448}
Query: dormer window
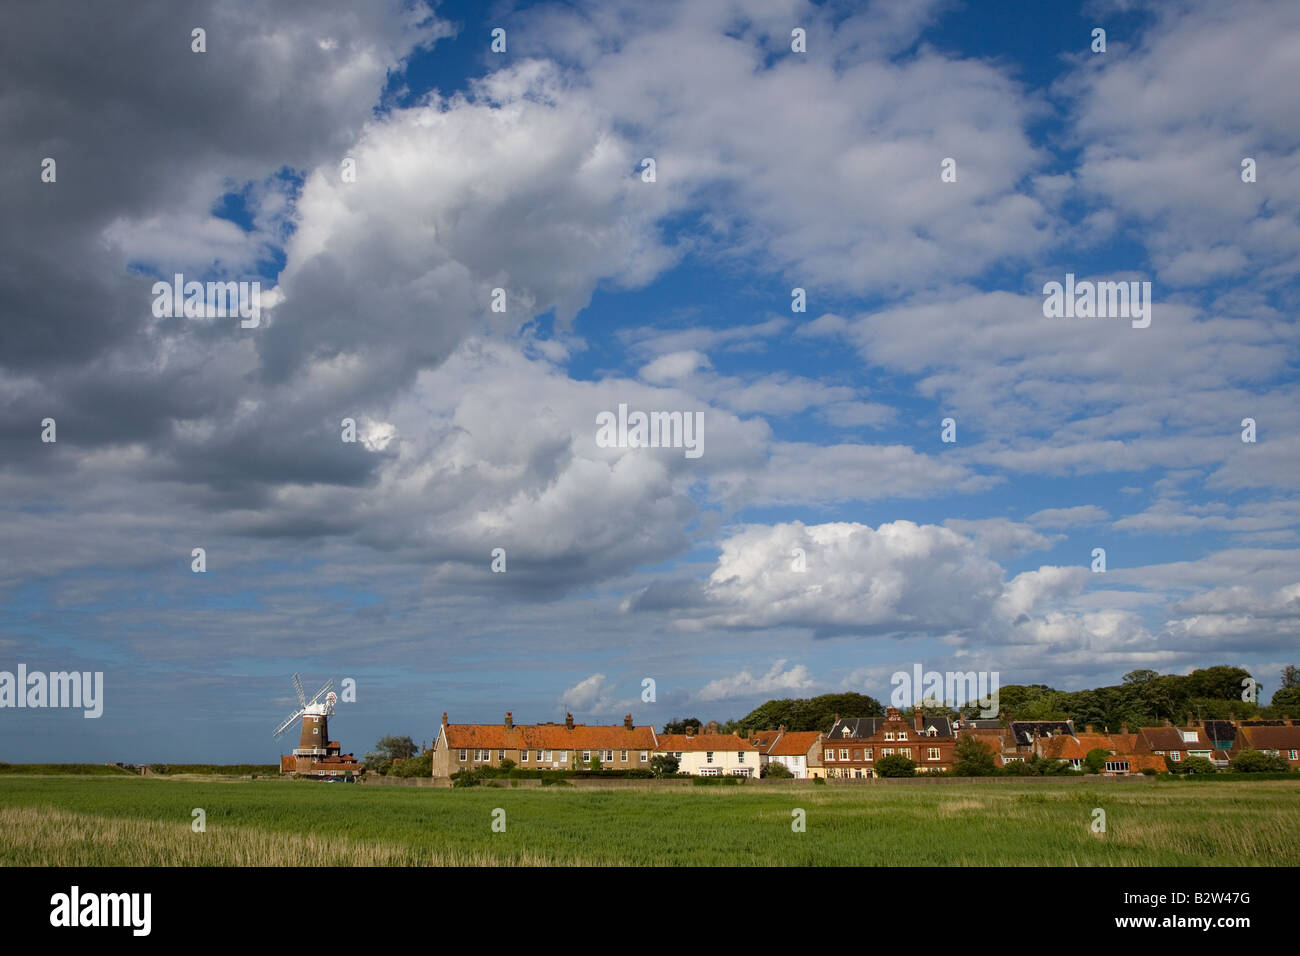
{"x":844,"y":732}
{"x":1189,"y":736}
{"x":902,"y":735}
{"x":889,"y":735}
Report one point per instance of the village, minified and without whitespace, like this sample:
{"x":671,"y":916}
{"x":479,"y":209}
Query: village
{"x":856,"y":747}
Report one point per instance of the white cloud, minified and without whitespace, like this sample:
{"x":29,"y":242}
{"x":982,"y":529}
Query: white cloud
{"x":744,"y":684}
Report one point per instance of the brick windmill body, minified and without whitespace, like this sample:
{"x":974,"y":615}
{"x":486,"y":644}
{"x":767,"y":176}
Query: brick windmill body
{"x":316,"y":756}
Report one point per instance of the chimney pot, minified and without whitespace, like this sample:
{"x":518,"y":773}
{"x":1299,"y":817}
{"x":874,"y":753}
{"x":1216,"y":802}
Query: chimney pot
{"x":568,"y":721}
{"x":627,"y":721}
{"x":444,"y":718}
{"x":510,"y":720}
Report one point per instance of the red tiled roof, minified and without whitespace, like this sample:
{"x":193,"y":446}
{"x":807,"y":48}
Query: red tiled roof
{"x":550,"y":737}
{"x":715,"y":742}
{"x":1272,"y":738}
{"x":793,"y":744}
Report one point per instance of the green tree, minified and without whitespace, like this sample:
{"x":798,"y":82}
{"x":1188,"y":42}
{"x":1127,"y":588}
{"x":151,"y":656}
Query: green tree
{"x":777,"y":771}
{"x":664,"y":765}
{"x":387,"y":750}
{"x":1255,"y":761}
{"x":682,"y":725}
{"x":896,"y":765}
{"x":1140,"y":676}
{"x":1196,"y":765}
{"x":972,"y":758}
{"x":1095,"y":761}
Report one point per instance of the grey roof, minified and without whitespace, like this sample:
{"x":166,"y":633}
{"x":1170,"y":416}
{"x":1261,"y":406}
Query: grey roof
{"x":857,"y":726}
{"x":860,"y":727}
{"x":984,"y":724}
{"x":1024,"y":730}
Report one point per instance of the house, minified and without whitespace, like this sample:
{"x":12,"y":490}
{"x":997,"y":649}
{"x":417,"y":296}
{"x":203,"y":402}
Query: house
{"x":712,"y":754}
{"x":1176,"y":744}
{"x":1280,"y":738}
{"x":794,"y":750}
{"x":1121,"y":760}
{"x":854,"y":744}
{"x":1026,"y":735}
{"x":549,"y":746}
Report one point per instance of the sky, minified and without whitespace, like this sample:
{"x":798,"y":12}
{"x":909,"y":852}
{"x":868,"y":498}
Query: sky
{"x":920,"y":170}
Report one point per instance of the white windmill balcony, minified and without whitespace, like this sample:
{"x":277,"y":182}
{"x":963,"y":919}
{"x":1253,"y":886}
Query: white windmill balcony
{"x":309,"y":751}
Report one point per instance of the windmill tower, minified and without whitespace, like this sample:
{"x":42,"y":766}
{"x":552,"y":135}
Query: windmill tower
{"x":316,"y":755}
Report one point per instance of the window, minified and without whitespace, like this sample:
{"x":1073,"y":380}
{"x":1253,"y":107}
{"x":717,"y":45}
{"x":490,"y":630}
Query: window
{"x":645,"y":756}
{"x":1175,"y":756}
{"x":708,"y":756}
{"x":844,"y":755}
{"x":608,"y":756}
{"x":549,"y":756}
{"x":906,"y":752}
{"x":740,"y":756}
{"x":830,"y":754}
{"x":902,"y":735}
{"x":868,"y":753}
{"x":889,"y":735}
{"x":462,"y":756}
{"x":586,"y":756}
{"x":564,"y":756}
{"x":887,"y":752}
{"x":1293,"y":755}
{"x":1117,"y":766}
{"x":539,"y":756}
{"x":710,"y":772}
{"x":622,"y":756}
{"x":523,"y":756}
{"x":932,"y":753}
{"x":501,"y":755}
{"x":1189,"y":736}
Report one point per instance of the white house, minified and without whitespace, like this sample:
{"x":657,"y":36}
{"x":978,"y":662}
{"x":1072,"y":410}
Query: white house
{"x":712,"y":755}
{"x":797,"y":751}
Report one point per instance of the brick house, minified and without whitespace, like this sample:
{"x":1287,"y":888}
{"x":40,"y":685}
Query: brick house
{"x":550,"y":746}
{"x":855,"y":744}
{"x":1176,"y":744}
{"x":1279,"y":737}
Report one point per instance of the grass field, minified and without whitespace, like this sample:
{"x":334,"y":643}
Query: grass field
{"x":105,"y":821}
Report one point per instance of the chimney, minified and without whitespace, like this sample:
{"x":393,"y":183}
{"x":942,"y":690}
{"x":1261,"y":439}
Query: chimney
{"x":510,"y":720}
{"x":1190,"y":721}
{"x":781,"y":729}
{"x":918,"y":718}
{"x":627,"y":721}
{"x":444,"y":718}
{"x":568,"y":721}
{"x":1087,"y":728}
{"x":1123,"y":727}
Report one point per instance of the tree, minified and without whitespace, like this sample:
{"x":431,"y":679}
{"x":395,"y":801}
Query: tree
{"x":973,"y":759}
{"x":1196,"y":765}
{"x":812,"y":713}
{"x":895,"y":765}
{"x":664,"y":765}
{"x":1140,"y":676}
{"x":683,"y":725}
{"x":776,"y":771}
{"x":1095,"y":761}
{"x":1287,"y":696}
{"x":595,"y":761}
{"x":387,"y":750}
{"x":1255,"y":761}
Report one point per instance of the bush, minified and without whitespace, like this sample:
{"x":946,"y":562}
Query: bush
{"x":819,"y":780}
{"x":1193,"y":765}
{"x":776,"y":771}
{"x":973,"y":759}
{"x":717,"y":781}
{"x":895,"y":765}
{"x":664,"y":765}
{"x":1256,"y":761}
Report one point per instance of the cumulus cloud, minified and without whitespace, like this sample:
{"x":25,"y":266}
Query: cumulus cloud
{"x":777,"y":680}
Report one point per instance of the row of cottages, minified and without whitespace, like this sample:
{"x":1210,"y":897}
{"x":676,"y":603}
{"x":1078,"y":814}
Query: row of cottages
{"x":1147,"y":748}
{"x":701,"y":752}
{"x":549,"y":746}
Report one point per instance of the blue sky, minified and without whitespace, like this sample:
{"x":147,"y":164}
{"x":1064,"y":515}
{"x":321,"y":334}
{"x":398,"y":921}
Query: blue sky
{"x":520,"y":170}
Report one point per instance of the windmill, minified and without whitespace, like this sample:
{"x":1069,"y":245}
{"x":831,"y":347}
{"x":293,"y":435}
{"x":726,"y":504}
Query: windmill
{"x":316,"y":754}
